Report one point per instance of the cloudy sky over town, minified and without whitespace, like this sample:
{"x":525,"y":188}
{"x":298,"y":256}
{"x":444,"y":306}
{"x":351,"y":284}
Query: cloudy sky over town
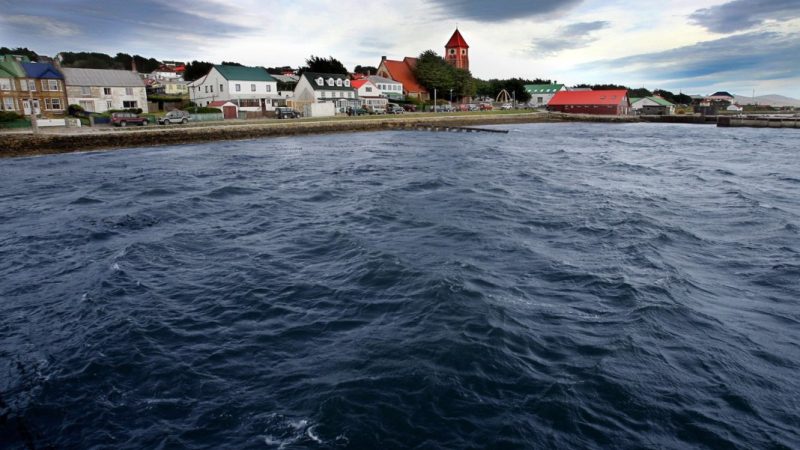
{"x":693,"y":46}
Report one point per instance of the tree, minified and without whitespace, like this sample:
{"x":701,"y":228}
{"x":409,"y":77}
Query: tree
{"x":279,"y":70}
{"x":324,"y":65}
{"x":89,"y":60}
{"x":23,"y":51}
{"x":366,"y":70}
{"x":231,"y":63}
{"x":196,"y":70}
{"x":679,"y":99}
{"x":639,"y":93}
{"x":434,"y":73}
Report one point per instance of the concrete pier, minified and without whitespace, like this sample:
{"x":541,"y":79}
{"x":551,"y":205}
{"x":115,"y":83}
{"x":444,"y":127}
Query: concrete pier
{"x":759,"y":121}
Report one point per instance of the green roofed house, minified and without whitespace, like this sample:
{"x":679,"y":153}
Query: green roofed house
{"x":251,"y":89}
{"x":652,"y":106}
{"x":541,"y":94}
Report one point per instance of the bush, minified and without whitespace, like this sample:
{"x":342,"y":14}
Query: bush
{"x":76,"y":110}
{"x":8,"y":116}
{"x":129,"y":110}
{"x":203,"y":110}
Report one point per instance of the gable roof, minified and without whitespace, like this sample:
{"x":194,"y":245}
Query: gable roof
{"x":543,"y":88}
{"x":242,"y":73}
{"x":312,"y":76}
{"x":375,"y":79}
{"x":612,"y":97}
{"x":41,"y":70}
{"x":219,"y":103}
{"x":655,"y":99}
{"x":10,"y":67}
{"x":457,"y":41}
{"x":402,"y":71}
{"x":102,"y":78}
{"x":358,"y":83}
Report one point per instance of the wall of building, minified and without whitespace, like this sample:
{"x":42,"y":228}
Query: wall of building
{"x":51,"y":103}
{"x":607,"y":110}
{"x":99,"y":101}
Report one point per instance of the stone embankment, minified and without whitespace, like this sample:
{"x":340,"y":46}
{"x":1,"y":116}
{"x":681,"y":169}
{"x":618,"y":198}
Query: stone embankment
{"x":27,"y":144}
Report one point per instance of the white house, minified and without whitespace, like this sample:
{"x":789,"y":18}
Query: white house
{"x":735,"y":108}
{"x":390,"y":88}
{"x":325,"y":87}
{"x":99,"y":90}
{"x":369,"y":94}
{"x":541,"y":94}
{"x":250,"y":88}
{"x":652,"y":105}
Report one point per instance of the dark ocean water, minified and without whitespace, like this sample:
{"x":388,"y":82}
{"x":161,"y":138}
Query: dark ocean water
{"x":562,"y":286}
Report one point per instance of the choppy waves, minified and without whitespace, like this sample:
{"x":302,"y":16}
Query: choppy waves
{"x":563,"y":286}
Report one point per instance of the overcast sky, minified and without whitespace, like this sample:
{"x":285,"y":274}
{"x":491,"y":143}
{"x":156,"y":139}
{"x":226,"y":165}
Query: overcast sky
{"x":693,"y":46}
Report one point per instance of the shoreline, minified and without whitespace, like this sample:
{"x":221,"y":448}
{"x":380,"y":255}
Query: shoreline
{"x":21,"y":144}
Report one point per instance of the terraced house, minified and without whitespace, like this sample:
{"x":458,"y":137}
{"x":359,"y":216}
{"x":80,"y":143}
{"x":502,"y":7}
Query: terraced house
{"x":28,"y":87}
{"x":98,"y":90}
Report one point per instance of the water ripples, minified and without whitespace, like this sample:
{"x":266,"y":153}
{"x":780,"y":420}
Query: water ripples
{"x":563,"y":286}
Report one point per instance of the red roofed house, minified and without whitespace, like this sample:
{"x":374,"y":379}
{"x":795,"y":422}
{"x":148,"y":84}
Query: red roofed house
{"x":609,"y":103}
{"x":456,"y":51}
{"x":403,"y":72}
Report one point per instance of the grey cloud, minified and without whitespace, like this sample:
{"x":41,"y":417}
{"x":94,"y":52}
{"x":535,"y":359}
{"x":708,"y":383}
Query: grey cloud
{"x":489,"y":11}
{"x":576,"y":35}
{"x":739,"y":15}
{"x":750,"y":56}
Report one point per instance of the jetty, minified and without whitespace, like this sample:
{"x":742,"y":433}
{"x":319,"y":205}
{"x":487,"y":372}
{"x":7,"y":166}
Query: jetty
{"x":775,"y":121}
{"x":454,"y":129}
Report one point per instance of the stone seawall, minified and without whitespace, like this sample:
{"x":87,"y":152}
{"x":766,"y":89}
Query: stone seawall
{"x":27,"y":144}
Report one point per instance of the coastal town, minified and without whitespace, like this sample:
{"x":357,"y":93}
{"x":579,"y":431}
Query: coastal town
{"x":43,"y":91}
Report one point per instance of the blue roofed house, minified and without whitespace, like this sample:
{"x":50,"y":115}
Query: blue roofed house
{"x":27,"y":87}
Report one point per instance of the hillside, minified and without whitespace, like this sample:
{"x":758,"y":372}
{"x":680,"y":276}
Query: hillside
{"x":771,"y":100}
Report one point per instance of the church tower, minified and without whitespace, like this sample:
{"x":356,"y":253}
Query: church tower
{"x":456,"y":52}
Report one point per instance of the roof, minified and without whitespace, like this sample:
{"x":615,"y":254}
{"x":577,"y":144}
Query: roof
{"x":311,"y":76}
{"x":102,"y":78}
{"x":286,"y":78}
{"x":655,"y":99}
{"x":612,"y":97}
{"x":457,"y":41}
{"x":543,"y":88}
{"x":242,"y":73}
{"x":721,"y":94}
{"x":376,"y":79}
{"x":220,"y":103}
{"x":358,"y":83}
{"x":402,"y":71}
{"x":39,"y":70}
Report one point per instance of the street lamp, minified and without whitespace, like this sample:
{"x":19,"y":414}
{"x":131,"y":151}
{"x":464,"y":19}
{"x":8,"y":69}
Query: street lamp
{"x":451,"y":98}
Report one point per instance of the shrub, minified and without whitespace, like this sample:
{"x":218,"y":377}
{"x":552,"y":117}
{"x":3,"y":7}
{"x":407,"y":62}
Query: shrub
{"x":8,"y":116}
{"x":203,"y":110}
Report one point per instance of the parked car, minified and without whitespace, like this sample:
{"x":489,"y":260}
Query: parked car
{"x":283,"y":112}
{"x":506,"y":106}
{"x":473,"y":107}
{"x":410,"y":107}
{"x":123,"y":119}
{"x":175,"y":116}
{"x":394,"y":108}
{"x":376,"y":109}
{"x":486,"y":107}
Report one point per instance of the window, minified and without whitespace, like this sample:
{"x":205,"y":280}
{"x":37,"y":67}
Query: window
{"x":238,"y":88}
{"x":86,"y":91}
{"x":330,"y":81}
{"x":347,"y":83}
{"x":52,"y":85}
{"x":320,"y":81}
{"x":252,"y":87}
{"x":540,"y":99}
{"x":6,"y":84}
{"x":221,"y":88}
{"x":349,"y":95}
{"x":106,"y":91}
{"x":206,"y":89}
{"x":339,"y":82}
{"x":269,"y":88}
{"x":87,"y":105}
{"x":129,"y":104}
{"x":322,"y":94}
{"x":8,"y":104}
{"x":52,"y":104}
{"x":369,"y":89}
{"x":27,"y":85}
{"x":463,"y":51}
{"x":108,"y":104}
{"x":128,"y":91}
{"x":452,"y":51}
{"x":211,"y":88}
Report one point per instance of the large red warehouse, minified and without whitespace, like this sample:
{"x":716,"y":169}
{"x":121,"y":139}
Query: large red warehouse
{"x":610,"y":103}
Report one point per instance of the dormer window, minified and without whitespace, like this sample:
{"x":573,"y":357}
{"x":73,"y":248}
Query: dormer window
{"x":339,"y":82}
{"x":320,"y":81}
{"x":330,"y":81}
{"x":347,"y":83}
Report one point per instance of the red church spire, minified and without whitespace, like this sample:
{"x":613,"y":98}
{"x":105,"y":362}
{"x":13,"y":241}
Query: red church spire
{"x":456,"y":51}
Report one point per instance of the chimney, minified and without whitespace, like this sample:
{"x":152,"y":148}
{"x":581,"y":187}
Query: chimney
{"x":383,"y":58}
{"x":133,"y":65}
